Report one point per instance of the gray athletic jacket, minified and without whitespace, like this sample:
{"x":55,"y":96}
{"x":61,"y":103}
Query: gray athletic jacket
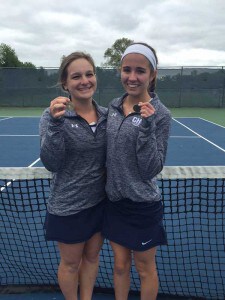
{"x":76,"y":156}
{"x":136,"y":151}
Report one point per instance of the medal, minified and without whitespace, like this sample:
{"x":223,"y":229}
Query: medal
{"x":69,"y":106}
{"x":136,"y":108}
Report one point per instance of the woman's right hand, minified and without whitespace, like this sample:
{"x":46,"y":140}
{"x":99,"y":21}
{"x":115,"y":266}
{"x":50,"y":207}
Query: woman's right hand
{"x":58,"y":107}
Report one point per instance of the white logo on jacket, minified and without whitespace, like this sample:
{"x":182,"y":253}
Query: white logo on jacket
{"x":136,"y":121}
{"x":74,"y":125}
{"x":144,"y":243}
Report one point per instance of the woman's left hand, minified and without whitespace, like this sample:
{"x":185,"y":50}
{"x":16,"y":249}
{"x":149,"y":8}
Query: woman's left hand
{"x":147,"y":109}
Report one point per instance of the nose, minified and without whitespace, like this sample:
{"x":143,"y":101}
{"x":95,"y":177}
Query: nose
{"x":132,"y":76}
{"x":84,"y":79}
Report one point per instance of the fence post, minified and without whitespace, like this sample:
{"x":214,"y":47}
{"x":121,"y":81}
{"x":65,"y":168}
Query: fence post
{"x":181,"y":81}
{"x":223,"y":88}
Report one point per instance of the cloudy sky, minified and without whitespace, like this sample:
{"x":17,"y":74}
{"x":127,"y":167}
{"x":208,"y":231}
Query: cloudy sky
{"x":183,"y":32}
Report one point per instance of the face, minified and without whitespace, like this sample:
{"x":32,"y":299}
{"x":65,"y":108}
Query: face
{"x":136,"y":75}
{"x":81,"y":80}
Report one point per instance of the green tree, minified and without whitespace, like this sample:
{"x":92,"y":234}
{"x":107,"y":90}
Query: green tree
{"x":113,"y":54}
{"x":8,"y":58}
{"x":28,"y":65}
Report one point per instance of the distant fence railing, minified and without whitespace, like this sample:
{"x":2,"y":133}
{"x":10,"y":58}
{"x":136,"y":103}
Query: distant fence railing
{"x":176,"y":87}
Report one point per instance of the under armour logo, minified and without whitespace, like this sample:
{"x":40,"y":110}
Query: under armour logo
{"x":74,"y":125}
{"x":136,"y":121}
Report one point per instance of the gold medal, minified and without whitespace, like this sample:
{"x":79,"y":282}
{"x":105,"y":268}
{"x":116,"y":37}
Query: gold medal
{"x":70,"y":106}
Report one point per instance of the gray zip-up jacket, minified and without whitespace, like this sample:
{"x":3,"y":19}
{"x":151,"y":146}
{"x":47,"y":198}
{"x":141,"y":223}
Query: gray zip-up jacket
{"x":136,"y":151}
{"x":76,"y":155}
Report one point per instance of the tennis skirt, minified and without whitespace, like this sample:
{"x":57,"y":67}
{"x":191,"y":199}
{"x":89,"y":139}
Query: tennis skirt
{"x":76,"y":228}
{"x":137,"y":226}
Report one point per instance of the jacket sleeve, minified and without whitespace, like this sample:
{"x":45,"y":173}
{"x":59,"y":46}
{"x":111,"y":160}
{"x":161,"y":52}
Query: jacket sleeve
{"x":152,"y":145}
{"x":52,"y":146}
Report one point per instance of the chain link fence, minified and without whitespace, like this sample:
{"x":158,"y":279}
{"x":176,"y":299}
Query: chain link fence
{"x":176,"y":87}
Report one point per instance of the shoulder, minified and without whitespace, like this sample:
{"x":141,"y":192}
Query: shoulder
{"x":104,"y":110}
{"x":45,"y":114}
{"x":101,"y":109}
{"x":117,"y":102}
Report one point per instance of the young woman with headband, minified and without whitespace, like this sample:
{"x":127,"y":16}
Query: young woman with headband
{"x":137,"y":135}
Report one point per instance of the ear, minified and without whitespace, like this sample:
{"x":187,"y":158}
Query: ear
{"x":153,"y":75}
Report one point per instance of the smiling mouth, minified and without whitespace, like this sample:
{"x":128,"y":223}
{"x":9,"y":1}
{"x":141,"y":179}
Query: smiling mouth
{"x":84,"y":89}
{"x":132,"y":85}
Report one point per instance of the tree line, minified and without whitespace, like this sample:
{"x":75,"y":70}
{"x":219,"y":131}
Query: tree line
{"x":9,"y":58}
{"x":195,"y":78}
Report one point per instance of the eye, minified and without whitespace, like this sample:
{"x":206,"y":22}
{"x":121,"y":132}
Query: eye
{"x":141,"y":71}
{"x":126,"y":70}
{"x":76,"y":77}
{"x":90,"y":74}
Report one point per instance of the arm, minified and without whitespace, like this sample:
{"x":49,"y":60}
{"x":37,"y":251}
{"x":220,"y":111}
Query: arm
{"x":152,"y":145}
{"x":52,"y":147}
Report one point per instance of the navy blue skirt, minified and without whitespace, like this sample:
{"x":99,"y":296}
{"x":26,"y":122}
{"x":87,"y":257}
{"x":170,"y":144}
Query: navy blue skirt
{"x":74,"y":228}
{"x":137,"y":226}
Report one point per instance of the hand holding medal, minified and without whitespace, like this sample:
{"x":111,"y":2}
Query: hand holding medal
{"x":144,"y":108}
{"x":59,"y":105}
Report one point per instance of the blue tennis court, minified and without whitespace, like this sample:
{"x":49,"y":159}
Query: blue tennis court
{"x":195,"y":228}
{"x":193,"y":142}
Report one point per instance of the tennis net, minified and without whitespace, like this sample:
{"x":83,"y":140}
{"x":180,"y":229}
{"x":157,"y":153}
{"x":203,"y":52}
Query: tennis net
{"x":191,"y":265}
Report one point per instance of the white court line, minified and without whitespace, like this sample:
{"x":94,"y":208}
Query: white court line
{"x":212,"y":122}
{"x":20,"y":135}
{"x":30,"y":166}
{"x":7,"y":118}
{"x":34,"y":163}
{"x":20,"y":117}
{"x":10,"y":182}
{"x":201,"y":119}
{"x":220,"y":148}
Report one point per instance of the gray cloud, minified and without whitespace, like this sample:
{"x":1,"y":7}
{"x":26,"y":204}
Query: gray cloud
{"x":182,"y":32}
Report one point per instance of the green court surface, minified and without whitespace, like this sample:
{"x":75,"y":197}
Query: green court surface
{"x":21,"y":111}
{"x":215,"y":115}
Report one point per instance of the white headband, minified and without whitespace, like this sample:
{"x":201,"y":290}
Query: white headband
{"x":141,"y":49}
